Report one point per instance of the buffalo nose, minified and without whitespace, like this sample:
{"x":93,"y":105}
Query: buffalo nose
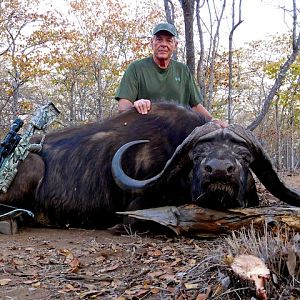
{"x":219,"y":167}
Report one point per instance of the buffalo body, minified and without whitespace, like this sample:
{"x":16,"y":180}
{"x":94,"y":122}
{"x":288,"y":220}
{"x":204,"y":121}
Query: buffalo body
{"x":171,"y":156}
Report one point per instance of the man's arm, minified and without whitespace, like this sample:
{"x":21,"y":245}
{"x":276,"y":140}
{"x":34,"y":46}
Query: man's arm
{"x":124,"y":104}
{"x":202,"y":110}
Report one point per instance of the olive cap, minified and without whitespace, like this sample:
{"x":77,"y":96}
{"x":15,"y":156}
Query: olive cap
{"x":165,"y":27}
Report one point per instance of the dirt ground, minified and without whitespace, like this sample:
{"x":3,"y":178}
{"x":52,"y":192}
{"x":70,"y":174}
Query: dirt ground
{"x":41,"y":263}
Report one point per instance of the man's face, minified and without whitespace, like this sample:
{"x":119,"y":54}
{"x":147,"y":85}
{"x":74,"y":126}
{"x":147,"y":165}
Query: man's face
{"x":163,"y":45}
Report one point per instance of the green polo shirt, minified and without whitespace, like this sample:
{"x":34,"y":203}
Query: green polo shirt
{"x":143,"y":79}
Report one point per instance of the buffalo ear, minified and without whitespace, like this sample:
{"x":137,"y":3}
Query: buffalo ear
{"x":263,"y":168}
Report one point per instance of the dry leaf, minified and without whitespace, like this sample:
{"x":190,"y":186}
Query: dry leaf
{"x":110,"y":268}
{"x":154,"y":290}
{"x":137,"y":291}
{"x":17,"y":262}
{"x":29,"y":249}
{"x":219,"y":288}
{"x":74,"y":264}
{"x":5,"y":281}
{"x":228,"y":259}
{"x":191,"y":285}
{"x":140,"y":293}
{"x":36,"y":284}
{"x":192,"y":262}
{"x":155,"y":274}
{"x":174,"y":263}
{"x":201,"y":297}
{"x":291,"y":261}
{"x":90,"y":294}
{"x":155,"y":253}
{"x":68,"y":288}
{"x":30,"y":281}
{"x":68,"y":254}
{"x":169,"y":277}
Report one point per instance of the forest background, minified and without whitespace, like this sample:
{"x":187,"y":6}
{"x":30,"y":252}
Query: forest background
{"x":75,"y":53}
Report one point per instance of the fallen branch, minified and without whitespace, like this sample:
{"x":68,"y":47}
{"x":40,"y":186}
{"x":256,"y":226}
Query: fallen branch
{"x":198,"y":220}
{"x":88,"y":278}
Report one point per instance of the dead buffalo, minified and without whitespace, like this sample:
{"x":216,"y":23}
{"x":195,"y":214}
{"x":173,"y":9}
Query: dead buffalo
{"x":85,"y":174}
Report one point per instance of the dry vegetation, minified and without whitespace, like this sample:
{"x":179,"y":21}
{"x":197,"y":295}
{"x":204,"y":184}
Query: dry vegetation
{"x":278,"y":248}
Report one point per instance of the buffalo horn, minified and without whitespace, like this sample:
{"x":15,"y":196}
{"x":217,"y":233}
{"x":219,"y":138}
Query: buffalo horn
{"x":178,"y":160}
{"x":264,"y":170}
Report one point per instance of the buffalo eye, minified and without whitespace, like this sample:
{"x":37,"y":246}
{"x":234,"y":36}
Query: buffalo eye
{"x":246,"y":158}
{"x":200,"y":152}
{"x":246,"y":161}
{"x":230,"y":169}
{"x":243,"y":155}
{"x":208,"y":169}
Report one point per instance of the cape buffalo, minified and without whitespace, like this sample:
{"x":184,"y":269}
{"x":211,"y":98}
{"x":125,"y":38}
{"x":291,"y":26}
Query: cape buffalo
{"x":171,"y":156}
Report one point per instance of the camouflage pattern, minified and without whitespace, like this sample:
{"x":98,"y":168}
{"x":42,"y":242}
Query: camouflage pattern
{"x":41,"y":119}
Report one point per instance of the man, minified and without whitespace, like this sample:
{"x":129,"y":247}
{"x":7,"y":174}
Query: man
{"x":159,"y":77}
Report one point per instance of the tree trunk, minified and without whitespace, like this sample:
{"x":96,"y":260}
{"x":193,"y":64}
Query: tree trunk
{"x":72,"y":104}
{"x":188,"y":7}
{"x":278,"y":160}
{"x":200,"y":75}
{"x":16,"y":93}
{"x":169,"y":10}
{"x":214,"y":44}
{"x":230,"y":55}
{"x":170,"y":16}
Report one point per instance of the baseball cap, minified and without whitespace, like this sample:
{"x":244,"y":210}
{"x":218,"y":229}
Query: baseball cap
{"x":165,"y":27}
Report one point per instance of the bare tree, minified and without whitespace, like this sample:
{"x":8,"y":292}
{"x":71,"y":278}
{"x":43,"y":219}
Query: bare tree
{"x":170,"y":11}
{"x":188,"y":8}
{"x":282,"y":71}
{"x":11,"y":31}
{"x":200,"y":65}
{"x":207,"y":60}
{"x":170,"y":16}
{"x":230,"y":55}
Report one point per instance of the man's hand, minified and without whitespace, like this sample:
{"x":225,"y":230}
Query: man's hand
{"x":221,"y":123}
{"x":202,"y":110}
{"x":142,"y":106}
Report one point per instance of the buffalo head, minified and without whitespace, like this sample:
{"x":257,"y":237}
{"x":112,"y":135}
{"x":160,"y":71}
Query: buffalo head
{"x":220,"y":162}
